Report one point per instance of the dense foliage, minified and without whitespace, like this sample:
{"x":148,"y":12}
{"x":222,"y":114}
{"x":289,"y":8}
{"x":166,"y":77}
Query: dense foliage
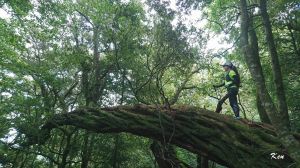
{"x":56,"y":56}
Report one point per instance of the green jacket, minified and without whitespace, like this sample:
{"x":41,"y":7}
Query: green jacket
{"x":230,"y":80}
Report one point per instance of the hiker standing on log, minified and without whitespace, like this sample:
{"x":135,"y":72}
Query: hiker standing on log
{"x":232,"y":84}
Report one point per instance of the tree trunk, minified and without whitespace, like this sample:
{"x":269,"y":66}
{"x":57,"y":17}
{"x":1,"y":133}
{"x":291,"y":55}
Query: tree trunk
{"x":218,"y":137}
{"x":276,"y":69}
{"x":261,"y":111}
{"x":202,"y":162}
{"x":115,"y":154}
{"x":255,"y":68}
{"x":253,"y":62}
{"x":255,"y":51}
{"x":97,"y":80}
{"x":293,"y":40}
{"x":66,"y":152}
{"x":165,"y":156}
{"x":86,"y":150}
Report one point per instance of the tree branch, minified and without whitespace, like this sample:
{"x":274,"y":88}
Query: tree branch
{"x":86,"y":17}
{"x":218,"y":137}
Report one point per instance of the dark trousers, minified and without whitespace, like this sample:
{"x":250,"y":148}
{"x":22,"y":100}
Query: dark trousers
{"x":232,"y":95}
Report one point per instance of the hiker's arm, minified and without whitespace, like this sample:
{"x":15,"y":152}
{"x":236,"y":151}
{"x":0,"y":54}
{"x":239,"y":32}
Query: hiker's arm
{"x":220,"y":85}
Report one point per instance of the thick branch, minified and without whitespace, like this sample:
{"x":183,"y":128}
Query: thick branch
{"x":217,"y":137}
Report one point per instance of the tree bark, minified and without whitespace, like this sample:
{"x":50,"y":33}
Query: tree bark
{"x":66,"y":152}
{"x":165,"y":156}
{"x":202,"y":162}
{"x":97,"y":78}
{"x":254,"y":65}
{"x":115,"y":154}
{"x":276,"y":69}
{"x":255,"y":51}
{"x":87,"y":150}
{"x":261,"y":111}
{"x":255,"y":68}
{"x":218,"y":137}
{"x":293,"y":40}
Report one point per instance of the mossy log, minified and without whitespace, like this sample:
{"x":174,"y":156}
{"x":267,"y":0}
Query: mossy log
{"x":220,"y":138}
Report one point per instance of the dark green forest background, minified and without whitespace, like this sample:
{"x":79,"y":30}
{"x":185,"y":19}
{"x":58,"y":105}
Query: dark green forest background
{"x":59,"y":55}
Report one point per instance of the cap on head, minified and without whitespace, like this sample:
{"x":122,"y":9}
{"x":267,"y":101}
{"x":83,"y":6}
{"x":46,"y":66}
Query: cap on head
{"x":227,"y":63}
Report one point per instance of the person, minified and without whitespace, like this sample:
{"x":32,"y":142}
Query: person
{"x":231,"y":83}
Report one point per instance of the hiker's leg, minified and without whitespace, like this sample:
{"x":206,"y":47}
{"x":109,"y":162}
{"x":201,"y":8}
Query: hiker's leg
{"x":233,"y":102}
{"x":221,"y":101}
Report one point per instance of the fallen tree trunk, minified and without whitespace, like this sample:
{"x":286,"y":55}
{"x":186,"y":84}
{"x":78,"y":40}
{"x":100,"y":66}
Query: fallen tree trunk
{"x":220,"y":138}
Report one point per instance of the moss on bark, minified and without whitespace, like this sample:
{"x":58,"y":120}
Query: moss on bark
{"x":220,"y":138}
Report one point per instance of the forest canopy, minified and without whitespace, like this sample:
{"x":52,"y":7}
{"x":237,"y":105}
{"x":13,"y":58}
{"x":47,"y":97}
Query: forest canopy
{"x":130,"y":83}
